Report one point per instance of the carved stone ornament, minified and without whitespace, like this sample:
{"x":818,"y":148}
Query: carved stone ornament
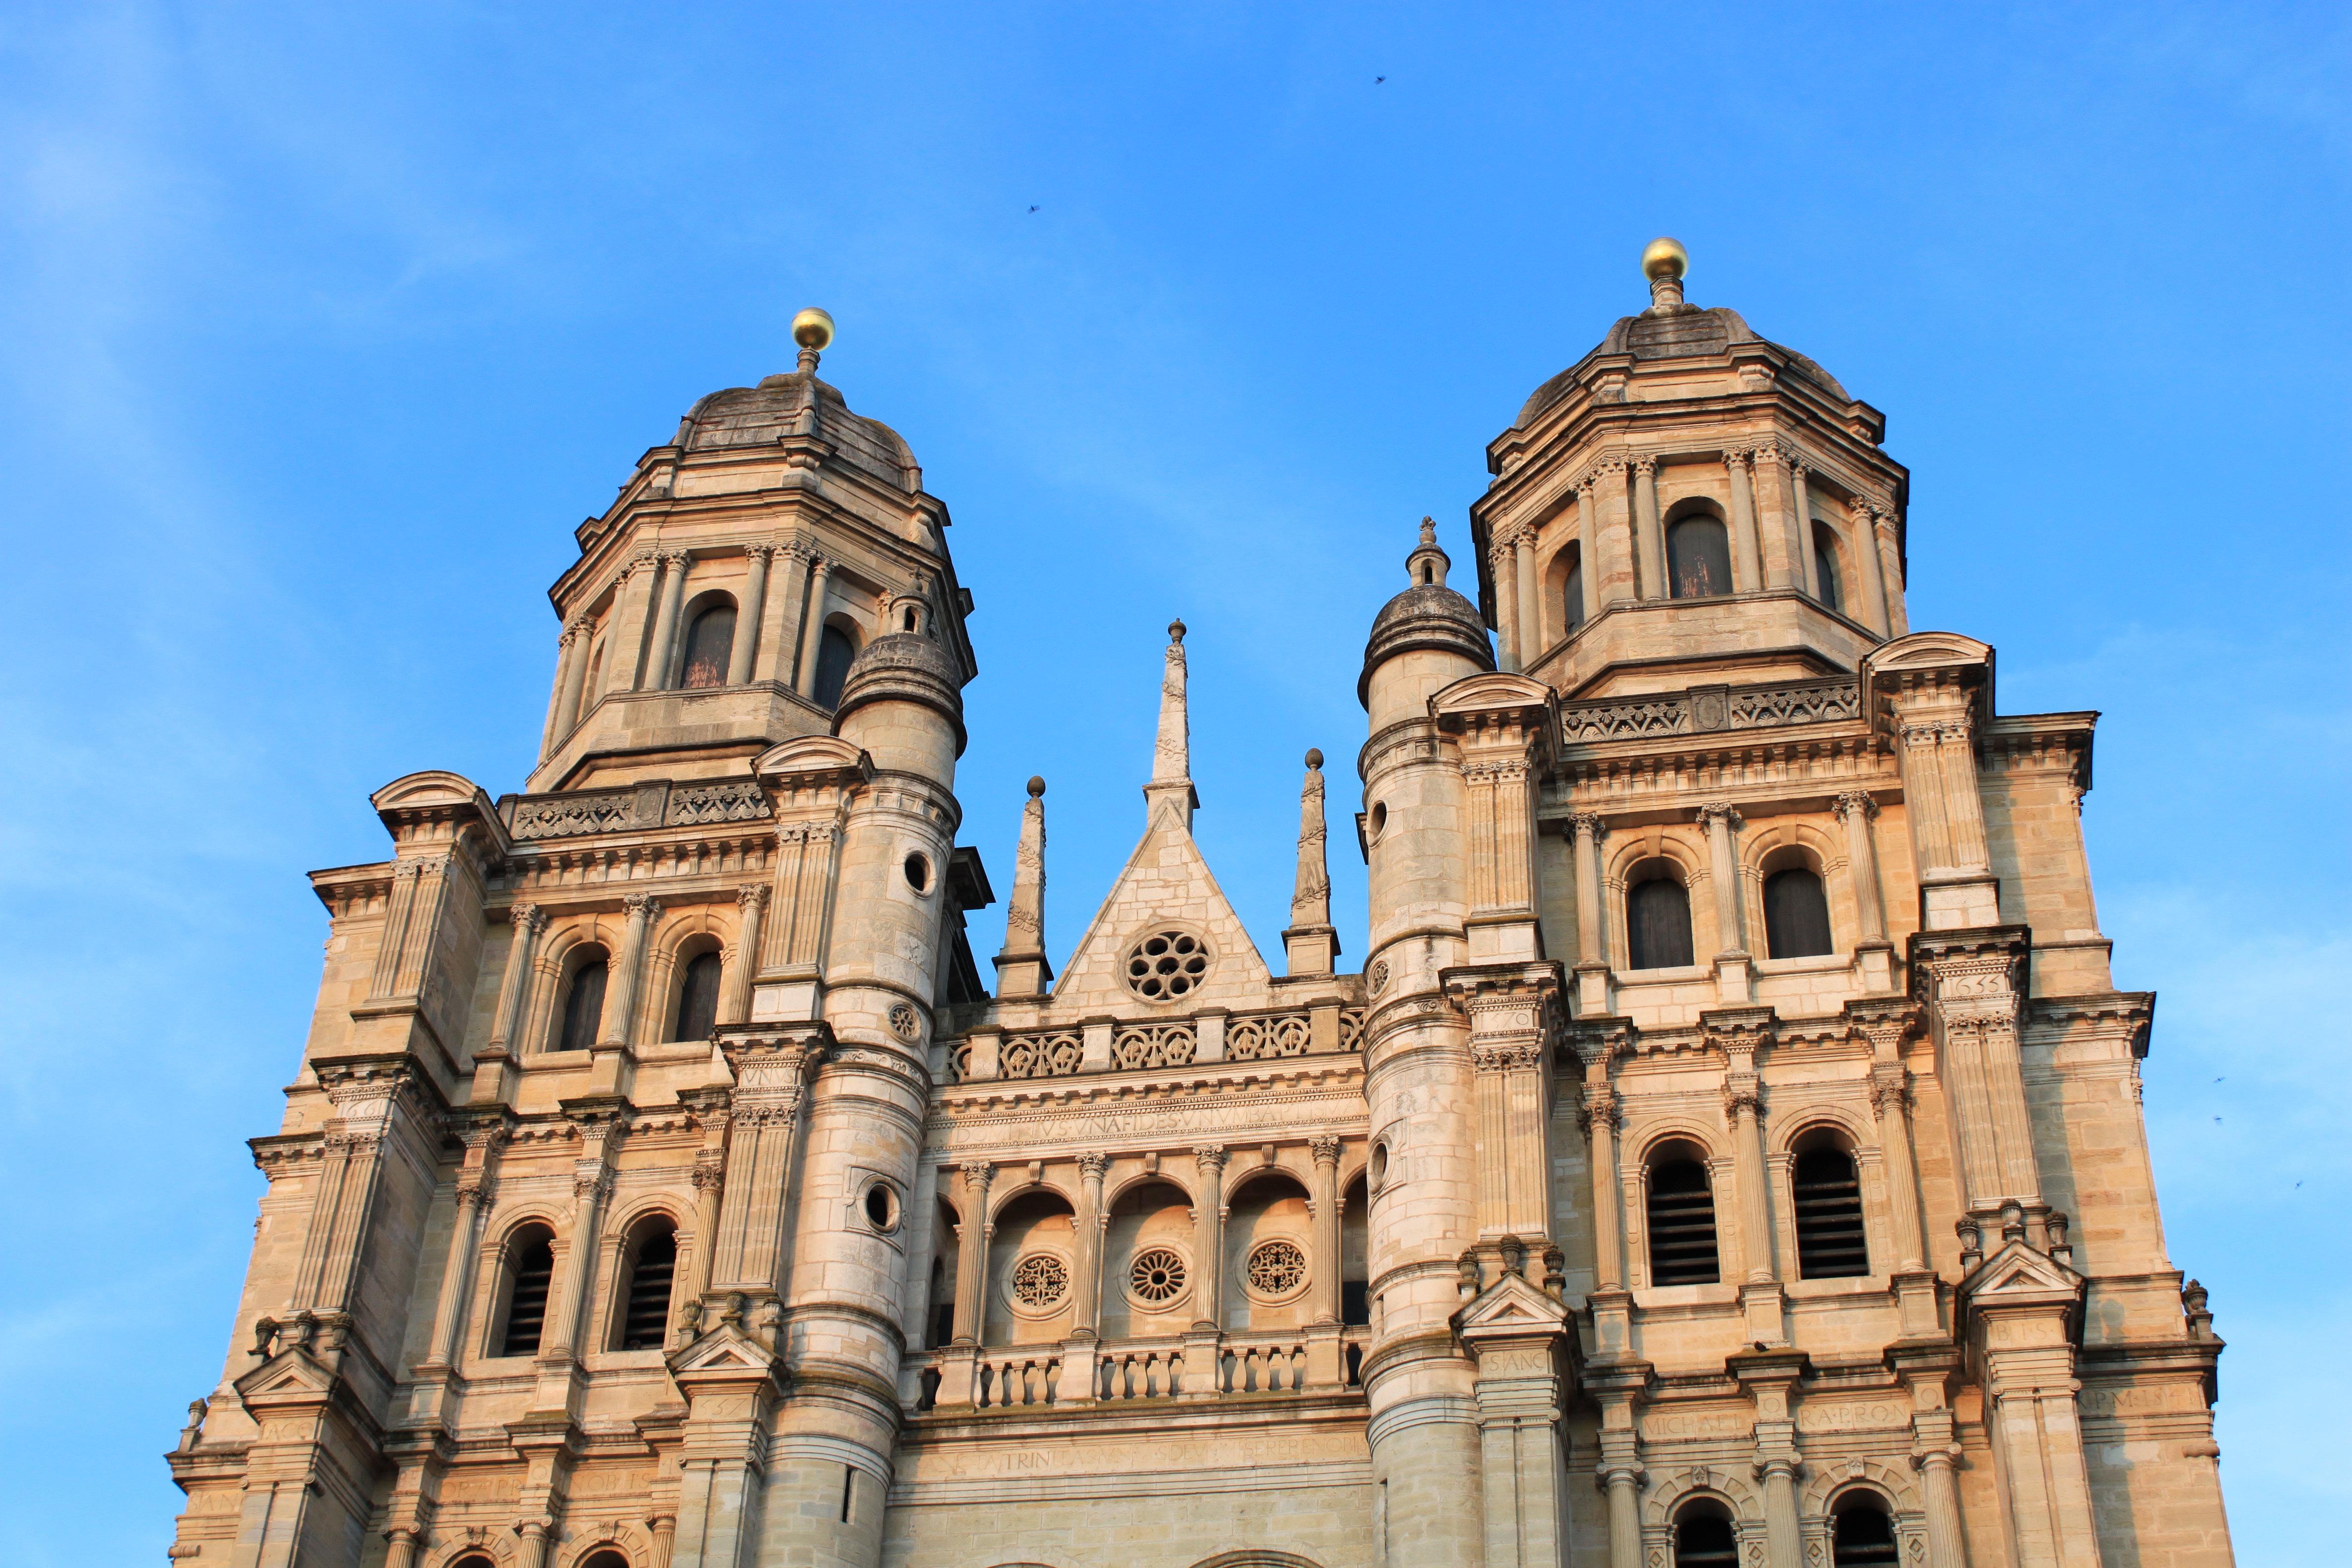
{"x":904,"y":1022}
{"x":1378,"y":975}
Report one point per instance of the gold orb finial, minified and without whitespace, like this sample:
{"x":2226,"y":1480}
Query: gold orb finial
{"x":812,"y":329}
{"x":1664,"y":258}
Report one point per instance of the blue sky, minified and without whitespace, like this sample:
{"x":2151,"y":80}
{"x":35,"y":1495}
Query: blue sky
{"x":322,"y":327}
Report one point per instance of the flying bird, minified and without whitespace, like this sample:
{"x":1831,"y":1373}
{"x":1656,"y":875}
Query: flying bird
{"x":1378,"y":79}
{"x":1033,"y":209}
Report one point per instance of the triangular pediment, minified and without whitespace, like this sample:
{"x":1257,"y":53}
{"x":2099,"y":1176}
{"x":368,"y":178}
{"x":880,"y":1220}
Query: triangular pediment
{"x":819,"y":757}
{"x":2016,"y":1272}
{"x":289,"y":1376}
{"x":724,"y":1349}
{"x":1511,"y":1307}
{"x":1166,"y":885}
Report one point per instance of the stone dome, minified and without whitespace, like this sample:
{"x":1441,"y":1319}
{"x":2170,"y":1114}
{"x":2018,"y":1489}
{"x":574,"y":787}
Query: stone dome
{"x":763,"y":414}
{"x":1688,"y":331}
{"x":1425,"y":616}
{"x":904,"y":666}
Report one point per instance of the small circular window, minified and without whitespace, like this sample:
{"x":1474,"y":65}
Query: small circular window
{"x":1380,"y":817}
{"x":1275,"y":1270}
{"x":881,"y":1206}
{"x":1167,"y":965}
{"x":1039,"y":1282}
{"x":918,"y":872}
{"x":1380,"y":1165}
{"x":1156,"y":1279}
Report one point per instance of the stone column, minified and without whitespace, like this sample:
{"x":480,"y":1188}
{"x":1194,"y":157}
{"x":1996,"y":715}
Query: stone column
{"x":1326,"y":1266}
{"x":1086,"y":1318}
{"x":1801,"y":519}
{"x":1608,"y":478}
{"x":1723,"y":869}
{"x":747,"y":615}
{"x":619,"y":1027}
{"x":1505,"y":563}
{"x":1867,"y":567}
{"x":1592,"y":919}
{"x":1855,"y":809}
{"x":1781,"y":563}
{"x":570,"y":670}
{"x":1208,"y":1239}
{"x":1531,"y":619}
{"x":1743,"y":1104}
{"x":663,"y":651}
{"x":1889,"y":556}
{"x":1747,"y":555}
{"x":625,"y":642}
{"x":474,"y":1187}
{"x":575,"y":1258}
{"x":709,"y":1179}
{"x":1649,"y":539}
{"x":813,"y":625}
{"x":1588,"y":546}
{"x":1598,"y":1117}
{"x":972,"y":1252}
{"x":750,"y":909}
{"x":400,"y":1551}
{"x":780,"y":622}
{"x":664,"y":1527}
{"x":1946,"y":1547}
{"x":1890,"y":1102}
{"x":514,"y":986}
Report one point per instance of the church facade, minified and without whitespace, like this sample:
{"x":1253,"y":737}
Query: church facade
{"x":1728,"y":1152}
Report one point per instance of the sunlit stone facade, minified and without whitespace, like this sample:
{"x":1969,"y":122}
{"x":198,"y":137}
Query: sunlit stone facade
{"x":1729,"y":1151}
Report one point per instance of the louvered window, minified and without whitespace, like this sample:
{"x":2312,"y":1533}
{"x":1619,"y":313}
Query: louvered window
{"x":531,"y":1266}
{"x":1796,"y":915}
{"x":1698,"y":559}
{"x":583,"y":1006}
{"x":1682,"y":1225}
{"x":1658,"y":924}
{"x":833,"y":653}
{"x":1862,"y":1536}
{"x":698,"y":998}
{"x":1704,"y":1540}
{"x":1829,"y":1240}
{"x":1825,"y":569}
{"x":646,"y":1324}
{"x":708,"y":644}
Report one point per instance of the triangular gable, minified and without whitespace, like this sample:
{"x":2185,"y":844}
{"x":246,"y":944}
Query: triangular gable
{"x":723,"y":1349}
{"x":2017,"y":1270}
{"x":1166,"y":884}
{"x":291,"y":1377}
{"x":1510,"y":1306}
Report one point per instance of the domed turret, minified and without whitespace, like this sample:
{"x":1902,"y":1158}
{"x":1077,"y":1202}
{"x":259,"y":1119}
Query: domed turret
{"x":1426,"y":637}
{"x":903,"y":702}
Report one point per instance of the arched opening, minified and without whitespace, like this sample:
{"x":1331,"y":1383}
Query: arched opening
{"x":834,"y":650}
{"x":1657,"y":917}
{"x":1269,"y":1240}
{"x":940,"y":1313}
{"x":583,"y":1001}
{"x":1033,"y":1287}
{"x":1355,"y":1256}
{"x":697,"y":997}
{"x":530,"y":1269}
{"x":1698,"y":558}
{"x":1703,"y":1537}
{"x":1796,"y":914}
{"x":648,"y":1269}
{"x":1680,"y":1214}
{"x":1147,"y":1276}
{"x":475,"y":1560}
{"x":607,"y":1559}
{"x":1832,"y":1241}
{"x":1861,"y":1535}
{"x":1828,"y":578}
{"x":710,"y":640}
{"x":594,"y":684}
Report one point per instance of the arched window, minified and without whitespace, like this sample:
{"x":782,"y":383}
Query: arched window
{"x":708,"y":644}
{"x":531,"y":1266}
{"x":1571,"y":602}
{"x":474,"y":1560}
{"x":1829,"y":1240}
{"x":583,"y":1004}
{"x":1681,"y":1222}
{"x":1698,"y":558}
{"x":653,"y":1264}
{"x":1704,"y":1538}
{"x":698,"y":998}
{"x":1796,"y":915}
{"x":1826,"y":576}
{"x":1860,"y":1535}
{"x":1657,"y":919}
{"x":834,"y":651}
{"x":607,"y":1560}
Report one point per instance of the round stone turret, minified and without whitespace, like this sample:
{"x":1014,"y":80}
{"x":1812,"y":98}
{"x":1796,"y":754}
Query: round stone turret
{"x":903,"y":702}
{"x":1426,"y":637}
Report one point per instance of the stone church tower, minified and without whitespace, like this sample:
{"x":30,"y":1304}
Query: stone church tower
{"x":1730,"y":1153}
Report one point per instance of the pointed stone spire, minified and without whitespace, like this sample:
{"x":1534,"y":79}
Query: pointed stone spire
{"x":1311,"y":942}
{"x":1171,"y":758}
{"x":1021,"y":966}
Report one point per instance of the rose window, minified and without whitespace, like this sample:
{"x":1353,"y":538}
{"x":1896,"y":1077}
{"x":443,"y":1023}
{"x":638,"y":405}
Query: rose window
{"x":1040,"y":1281}
{"x":1166,"y":965}
{"x":1156,"y":1277}
{"x":1276,"y":1268}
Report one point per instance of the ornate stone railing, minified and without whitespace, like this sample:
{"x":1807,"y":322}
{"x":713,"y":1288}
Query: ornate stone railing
{"x":1014,"y":1377}
{"x":1351,"y":1028}
{"x":1264,"y":1036}
{"x":1152,"y":1045}
{"x":1056,"y":1053}
{"x":657,"y":803}
{"x":1704,"y":710}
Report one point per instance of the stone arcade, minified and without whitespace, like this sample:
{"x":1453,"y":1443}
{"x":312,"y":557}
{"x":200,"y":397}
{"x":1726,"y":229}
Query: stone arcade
{"x":1730,"y":1151}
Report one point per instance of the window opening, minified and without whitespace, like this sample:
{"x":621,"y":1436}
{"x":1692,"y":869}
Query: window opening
{"x":1682,"y":1225}
{"x":1796,"y":915}
{"x":1166,"y":965}
{"x":648,"y":1323}
{"x":1704,"y":1540}
{"x":532,"y":1263}
{"x":918,"y":872}
{"x":848,"y":1489}
{"x":698,"y":998}
{"x":878,"y":1209}
{"x":1825,"y":569}
{"x":1831,"y":1242}
{"x":1658,"y":924}
{"x":709,"y":643}
{"x":1355,"y":1303}
{"x":583,"y":1006}
{"x":1698,"y":559}
{"x":1571,"y":608}
{"x":1862,"y":1536}
{"x":607,"y":1560}
{"x":833,"y":653}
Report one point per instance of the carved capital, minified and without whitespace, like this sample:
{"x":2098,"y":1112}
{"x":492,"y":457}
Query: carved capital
{"x":1735,"y":461}
{"x":1325,"y":1150}
{"x":760,"y":549}
{"x":1598,"y":1103}
{"x":527,"y":918}
{"x":1646,"y":465}
{"x":1720,"y":815}
{"x":641,"y":906}
{"x":976,"y":1175}
{"x":677,"y":561}
{"x":1588,"y":825}
{"x":1508,"y":1055}
{"x":1210,"y":1158}
{"x":1743,"y":1092}
{"x":1093,"y":1163}
{"x":751,"y":896}
{"x":1852,"y":801}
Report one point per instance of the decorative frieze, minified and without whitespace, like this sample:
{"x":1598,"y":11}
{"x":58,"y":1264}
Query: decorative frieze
{"x":1703,"y":709}
{"x":657,"y":803}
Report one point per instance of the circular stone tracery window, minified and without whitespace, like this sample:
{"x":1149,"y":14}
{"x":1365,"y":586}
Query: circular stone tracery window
{"x":1039,"y":1282}
{"x":1156,"y":1277}
{"x":1167,"y":965}
{"x":1276,"y":1269}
